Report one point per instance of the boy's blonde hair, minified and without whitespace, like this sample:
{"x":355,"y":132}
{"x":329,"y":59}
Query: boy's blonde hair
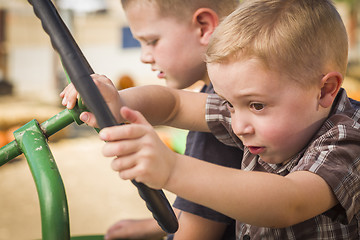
{"x":184,"y":9}
{"x":301,"y":38}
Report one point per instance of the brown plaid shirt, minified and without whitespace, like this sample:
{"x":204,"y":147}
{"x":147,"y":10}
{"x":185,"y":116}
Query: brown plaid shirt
{"x":333,"y":154}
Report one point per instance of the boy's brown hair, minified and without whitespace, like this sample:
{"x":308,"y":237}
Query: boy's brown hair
{"x":301,"y":38}
{"x":184,"y":9}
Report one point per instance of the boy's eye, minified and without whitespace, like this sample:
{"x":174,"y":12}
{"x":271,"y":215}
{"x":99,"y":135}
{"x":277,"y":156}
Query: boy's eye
{"x":257,"y":106}
{"x":152,"y":42}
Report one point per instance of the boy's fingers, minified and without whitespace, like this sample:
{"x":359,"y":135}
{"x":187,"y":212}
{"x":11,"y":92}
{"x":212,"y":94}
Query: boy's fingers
{"x":123,"y":163}
{"x":100,"y":78}
{"x":89,"y":119}
{"x":133,"y":116}
{"x":120,"y":148}
{"x":69,"y":95}
{"x":115,"y":233}
{"x":128,"y":131}
{"x":131,"y":174}
{"x":122,"y":132}
{"x":67,"y":89}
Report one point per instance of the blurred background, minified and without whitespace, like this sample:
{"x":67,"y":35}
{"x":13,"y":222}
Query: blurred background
{"x":31,"y":78}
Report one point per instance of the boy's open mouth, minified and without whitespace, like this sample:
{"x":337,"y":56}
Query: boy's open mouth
{"x":256,"y":150}
{"x":161,"y":74}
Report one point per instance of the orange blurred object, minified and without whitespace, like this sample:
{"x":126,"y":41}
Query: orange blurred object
{"x":124,"y":82}
{"x":7,"y":135}
{"x":3,"y":138}
{"x":10,"y":133}
{"x":165,"y":138}
{"x":354,"y":94}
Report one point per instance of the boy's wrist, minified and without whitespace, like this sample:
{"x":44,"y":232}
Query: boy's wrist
{"x":175,"y":178}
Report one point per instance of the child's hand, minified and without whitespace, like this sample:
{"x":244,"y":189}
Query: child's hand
{"x":108,"y":91}
{"x":139,"y":153}
{"x":69,"y":96}
{"x":135,"y":229}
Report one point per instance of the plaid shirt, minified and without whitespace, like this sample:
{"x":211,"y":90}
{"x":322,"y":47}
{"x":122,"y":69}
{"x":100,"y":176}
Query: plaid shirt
{"x":333,"y":154}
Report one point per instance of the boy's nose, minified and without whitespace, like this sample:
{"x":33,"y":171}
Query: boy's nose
{"x":146,"y":57}
{"x":240,"y":126}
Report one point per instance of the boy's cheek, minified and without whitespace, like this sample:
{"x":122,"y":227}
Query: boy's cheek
{"x":271,"y":135}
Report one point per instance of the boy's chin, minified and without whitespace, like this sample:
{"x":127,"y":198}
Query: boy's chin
{"x":173,"y":84}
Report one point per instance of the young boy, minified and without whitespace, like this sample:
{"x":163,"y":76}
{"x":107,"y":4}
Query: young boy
{"x":174,"y":36}
{"x":277,"y":67}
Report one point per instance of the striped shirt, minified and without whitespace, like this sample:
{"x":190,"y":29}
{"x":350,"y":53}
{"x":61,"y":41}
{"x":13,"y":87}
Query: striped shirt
{"x":333,"y":154}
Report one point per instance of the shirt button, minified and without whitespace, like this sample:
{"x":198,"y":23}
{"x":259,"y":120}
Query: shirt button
{"x":246,"y":237}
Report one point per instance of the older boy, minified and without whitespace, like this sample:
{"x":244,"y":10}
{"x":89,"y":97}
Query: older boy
{"x":174,"y":35}
{"x":278,"y":77}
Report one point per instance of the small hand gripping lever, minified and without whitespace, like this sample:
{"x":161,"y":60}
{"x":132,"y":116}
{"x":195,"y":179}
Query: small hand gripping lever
{"x":79,"y":72}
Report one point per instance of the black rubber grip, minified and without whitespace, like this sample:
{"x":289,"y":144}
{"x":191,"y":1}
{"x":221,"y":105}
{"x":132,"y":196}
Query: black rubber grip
{"x":79,"y":71}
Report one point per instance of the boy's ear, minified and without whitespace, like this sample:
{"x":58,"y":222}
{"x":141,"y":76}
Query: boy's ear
{"x":207,"y":20}
{"x":330,"y":85}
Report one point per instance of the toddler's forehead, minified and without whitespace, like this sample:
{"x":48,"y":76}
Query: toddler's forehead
{"x":142,"y":7}
{"x":152,"y":8}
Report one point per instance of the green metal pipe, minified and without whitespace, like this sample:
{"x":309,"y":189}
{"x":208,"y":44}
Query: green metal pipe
{"x":60,"y":121}
{"x":49,"y":127}
{"x":50,"y":188}
{"x":8,"y":152}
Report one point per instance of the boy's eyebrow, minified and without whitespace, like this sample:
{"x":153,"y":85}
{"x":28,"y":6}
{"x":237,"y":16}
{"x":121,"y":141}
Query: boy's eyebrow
{"x":144,"y":37}
{"x":242,"y":96}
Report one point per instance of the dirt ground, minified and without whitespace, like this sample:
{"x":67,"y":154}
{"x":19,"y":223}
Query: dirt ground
{"x":97,"y":197}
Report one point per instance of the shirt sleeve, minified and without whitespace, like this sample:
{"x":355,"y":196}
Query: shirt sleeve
{"x":218,"y":119}
{"x":335,"y":156}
